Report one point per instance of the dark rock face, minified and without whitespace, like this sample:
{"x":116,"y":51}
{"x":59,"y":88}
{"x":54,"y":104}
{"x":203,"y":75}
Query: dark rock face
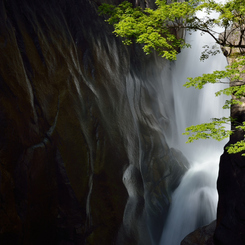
{"x":230,"y":219}
{"x":83,"y":156}
{"x":231,"y":206}
{"x":201,"y":236}
{"x":231,"y":181}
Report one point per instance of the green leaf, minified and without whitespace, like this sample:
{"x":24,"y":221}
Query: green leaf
{"x":215,"y":130}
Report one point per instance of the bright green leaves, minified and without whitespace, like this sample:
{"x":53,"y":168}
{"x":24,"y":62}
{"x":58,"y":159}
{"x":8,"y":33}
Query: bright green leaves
{"x":154,"y":29}
{"x":232,"y":11}
{"x":200,"y":81}
{"x":157,"y":30}
{"x":237,"y":91}
{"x":229,"y":103}
{"x":215,"y":130}
{"x":175,"y":10}
{"x":233,"y":72}
{"x":238,"y":146}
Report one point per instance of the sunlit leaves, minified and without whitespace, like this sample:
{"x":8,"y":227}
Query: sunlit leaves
{"x":151,"y":28}
{"x":229,"y":103}
{"x":233,"y":72}
{"x":215,"y":130}
{"x":238,"y":146}
{"x":156,"y":30}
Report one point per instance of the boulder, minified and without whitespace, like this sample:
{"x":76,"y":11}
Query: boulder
{"x":201,"y":236}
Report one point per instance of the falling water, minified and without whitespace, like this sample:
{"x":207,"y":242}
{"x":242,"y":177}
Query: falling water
{"x":194,"y":202}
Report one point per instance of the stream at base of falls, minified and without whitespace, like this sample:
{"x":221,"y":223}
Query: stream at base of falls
{"x":194,"y":202}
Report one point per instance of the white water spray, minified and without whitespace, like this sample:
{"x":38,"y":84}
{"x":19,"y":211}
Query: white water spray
{"x":194,"y":202}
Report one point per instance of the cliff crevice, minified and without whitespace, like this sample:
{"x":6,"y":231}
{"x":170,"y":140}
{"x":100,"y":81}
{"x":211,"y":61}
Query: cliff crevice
{"x":83,"y":151}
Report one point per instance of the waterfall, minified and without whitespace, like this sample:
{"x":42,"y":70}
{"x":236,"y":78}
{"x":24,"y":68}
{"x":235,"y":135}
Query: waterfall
{"x":194,"y":202}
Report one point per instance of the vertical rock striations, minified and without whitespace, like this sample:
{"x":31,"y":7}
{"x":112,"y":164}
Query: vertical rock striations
{"x":83,"y":156}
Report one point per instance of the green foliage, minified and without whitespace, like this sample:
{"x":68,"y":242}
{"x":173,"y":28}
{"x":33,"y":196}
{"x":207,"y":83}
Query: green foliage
{"x":214,"y":129}
{"x":233,"y":72}
{"x":229,"y":103}
{"x":156,"y":30}
{"x":238,"y":146}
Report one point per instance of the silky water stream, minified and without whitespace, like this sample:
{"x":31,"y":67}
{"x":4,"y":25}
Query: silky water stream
{"x":194,"y":202}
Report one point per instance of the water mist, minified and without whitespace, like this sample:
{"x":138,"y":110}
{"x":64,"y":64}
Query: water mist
{"x":194,"y":202}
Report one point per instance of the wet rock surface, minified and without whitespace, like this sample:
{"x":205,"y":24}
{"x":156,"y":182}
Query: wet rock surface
{"x":201,"y":236}
{"x":83,"y":155}
{"x":230,"y":217}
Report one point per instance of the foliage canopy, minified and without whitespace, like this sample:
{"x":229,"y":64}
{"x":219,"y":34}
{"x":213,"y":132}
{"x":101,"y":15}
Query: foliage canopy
{"x":158,"y":30}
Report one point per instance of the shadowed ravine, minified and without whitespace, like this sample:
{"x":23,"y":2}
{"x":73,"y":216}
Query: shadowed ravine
{"x":84,"y":158}
{"x":89,"y":132}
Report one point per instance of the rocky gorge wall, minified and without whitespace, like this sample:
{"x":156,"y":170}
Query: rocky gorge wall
{"x":230,"y":228}
{"x":84,"y":157}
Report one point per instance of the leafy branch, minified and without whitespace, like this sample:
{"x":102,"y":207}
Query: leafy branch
{"x":158,"y":30}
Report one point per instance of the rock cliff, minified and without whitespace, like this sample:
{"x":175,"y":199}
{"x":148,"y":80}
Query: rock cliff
{"x":84,"y":158}
{"x":231,"y":182}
